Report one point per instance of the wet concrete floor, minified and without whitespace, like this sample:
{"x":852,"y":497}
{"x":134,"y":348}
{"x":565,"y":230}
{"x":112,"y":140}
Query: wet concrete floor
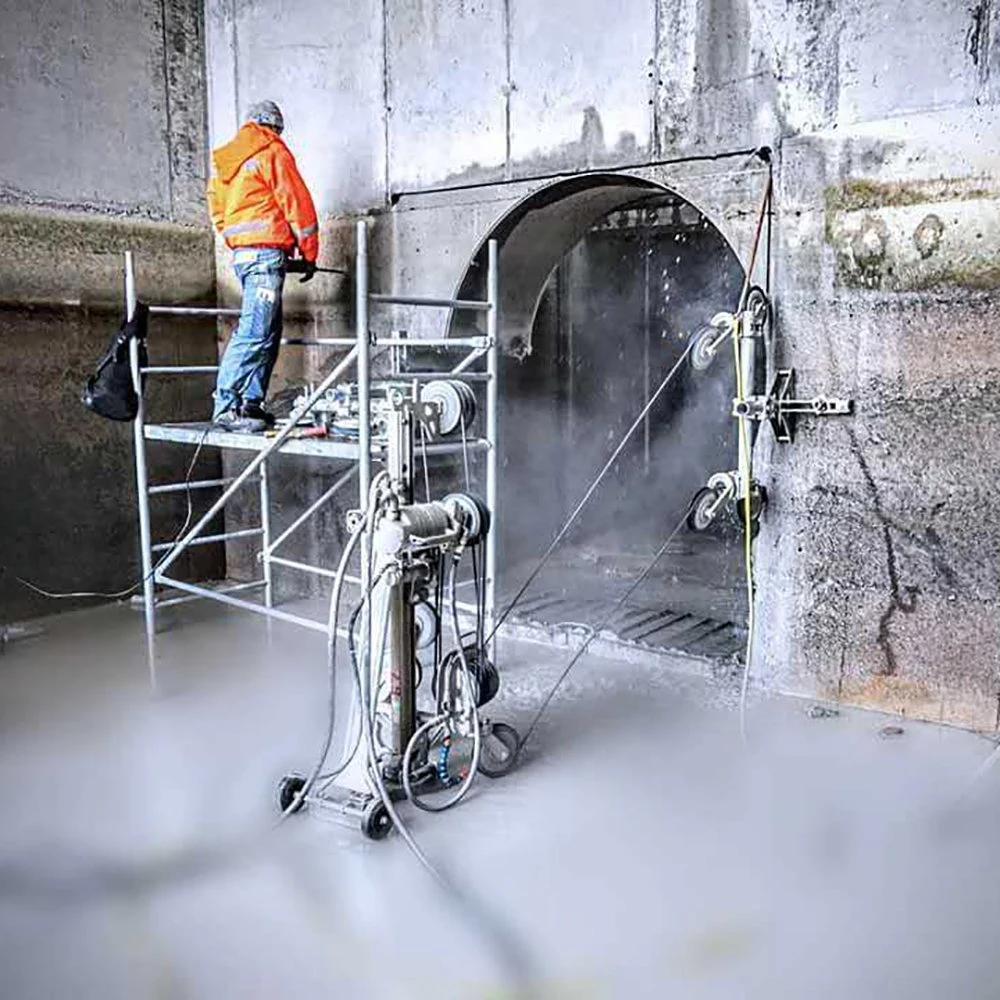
{"x":641,"y":850}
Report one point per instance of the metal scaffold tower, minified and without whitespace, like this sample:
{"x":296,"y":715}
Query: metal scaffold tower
{"x":356,"y":450}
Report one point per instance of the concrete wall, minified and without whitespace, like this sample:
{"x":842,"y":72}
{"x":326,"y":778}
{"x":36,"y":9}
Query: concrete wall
{"x":102,"y":110}
{"x":876,"y":567}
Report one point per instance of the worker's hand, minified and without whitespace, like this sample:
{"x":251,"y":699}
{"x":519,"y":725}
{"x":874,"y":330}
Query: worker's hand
{"x":308,"y":270}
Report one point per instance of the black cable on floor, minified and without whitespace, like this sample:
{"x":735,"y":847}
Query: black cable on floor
{"x":143,"y":580}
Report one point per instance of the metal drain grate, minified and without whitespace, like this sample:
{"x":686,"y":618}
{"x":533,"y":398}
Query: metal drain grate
{"x":656,"y":628}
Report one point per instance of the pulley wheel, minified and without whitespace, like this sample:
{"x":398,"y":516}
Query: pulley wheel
{"x":758,"y":501}
{"x":759,"y":307}
{"x":701,"y":515}
{"x":451,"y":401}
{"x":703,"y":347}
{"x":425,"y":622}
{"x":476,"y":513}
{"x":468,"y":402}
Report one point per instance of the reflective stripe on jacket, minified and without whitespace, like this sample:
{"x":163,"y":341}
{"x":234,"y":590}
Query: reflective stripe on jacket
{"x":256,"y":195}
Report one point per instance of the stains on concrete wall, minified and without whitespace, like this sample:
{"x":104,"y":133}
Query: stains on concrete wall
{"x":185,"y":100}
{"x":875,"y":585}
{"x":107,"y":105}
{"x":446,"y":90}
{"x":910,"y":236}
{"x":68,"y":518}
{"x":894,"y":591}
{"x":63,"y":257}
{"x":102,"y":109}
{"x":69,"y":522}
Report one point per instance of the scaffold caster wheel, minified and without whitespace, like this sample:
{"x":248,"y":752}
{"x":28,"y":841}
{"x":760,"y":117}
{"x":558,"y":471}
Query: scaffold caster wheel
{"x":376,"y":822}
{"x":498,"y":754}
{"x":700,"y":514}
{"x":288,"y":788}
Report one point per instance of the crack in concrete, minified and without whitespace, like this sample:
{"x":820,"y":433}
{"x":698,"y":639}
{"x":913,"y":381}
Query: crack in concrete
{"x":901,"y":599}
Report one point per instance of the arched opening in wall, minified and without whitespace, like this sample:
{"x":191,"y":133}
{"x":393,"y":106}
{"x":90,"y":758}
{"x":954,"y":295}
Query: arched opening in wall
{"x":602,"y":289}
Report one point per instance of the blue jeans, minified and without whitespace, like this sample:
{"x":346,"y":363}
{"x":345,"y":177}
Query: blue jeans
{"x":246,"y":366}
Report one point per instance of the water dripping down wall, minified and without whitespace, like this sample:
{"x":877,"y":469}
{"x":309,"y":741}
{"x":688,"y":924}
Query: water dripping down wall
{"x":615,"y":316}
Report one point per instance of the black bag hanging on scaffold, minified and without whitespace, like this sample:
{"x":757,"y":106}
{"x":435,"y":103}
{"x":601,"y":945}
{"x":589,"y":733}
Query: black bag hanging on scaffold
{"x":109,"y":392}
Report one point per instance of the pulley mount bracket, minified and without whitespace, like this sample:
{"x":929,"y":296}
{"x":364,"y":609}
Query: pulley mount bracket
{"x":781,"y":409}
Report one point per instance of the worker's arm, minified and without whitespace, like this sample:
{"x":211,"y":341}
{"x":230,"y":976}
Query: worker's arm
{"x":292,"y":195}
{"x":216,"y":202}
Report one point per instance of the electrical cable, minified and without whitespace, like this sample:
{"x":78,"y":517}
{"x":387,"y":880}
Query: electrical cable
{"x":571,"y":520}
{"x":363,"y":524}
{"x":328,"y":776}
{"x":595,"y":630}
{"x":117,"y":595}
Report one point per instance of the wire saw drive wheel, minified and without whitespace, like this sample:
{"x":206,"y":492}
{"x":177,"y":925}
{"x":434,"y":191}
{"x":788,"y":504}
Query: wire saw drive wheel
{"x":476,"y":513}
{"x":701,"y":515}
{"x":759,"y":307}
{"x":703,"y":349}
{"x":758,"y":501}
{"x":758,"y":498}
{"x":498,"y":753}
{"x":425,"y":622}
{"x":376,"y":821}
{"x":457,"y":402}
{"x":288,"y":789}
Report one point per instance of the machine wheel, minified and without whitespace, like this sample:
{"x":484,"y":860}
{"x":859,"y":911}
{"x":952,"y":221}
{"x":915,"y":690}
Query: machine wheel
{"x":376,"y":821}
{"x":703,"y":349}
{"x":758,"y":501}
{"x":759,"y":307}
{"x":698,"y":518}
{"x":425,"y":623}
{"x":288,"y":788}
{"x":496,"y":764}
{"x":476,"y":512}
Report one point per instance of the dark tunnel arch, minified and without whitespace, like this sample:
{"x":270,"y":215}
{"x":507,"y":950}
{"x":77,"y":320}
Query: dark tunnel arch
{"x":591,"y":240}
{"x":537,"y":233}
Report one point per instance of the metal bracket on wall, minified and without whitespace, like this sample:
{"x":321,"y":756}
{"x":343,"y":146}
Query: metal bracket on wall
{"x":781,"y":408}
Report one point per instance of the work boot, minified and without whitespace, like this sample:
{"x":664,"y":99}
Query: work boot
{"x":239,"y":422}
{"x":226,"y":421}
{"x":256,"y":411}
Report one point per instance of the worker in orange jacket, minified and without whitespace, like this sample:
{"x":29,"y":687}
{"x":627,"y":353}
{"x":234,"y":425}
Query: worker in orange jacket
{"x":263,"y":210}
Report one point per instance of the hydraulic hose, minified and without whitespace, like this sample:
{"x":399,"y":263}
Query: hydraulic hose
{"x":331,"y":649}
{"x":509,"y":948}
{"x":473,"y":712}
{"x":331,"y":653}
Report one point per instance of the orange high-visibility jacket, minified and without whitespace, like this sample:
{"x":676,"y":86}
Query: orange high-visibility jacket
{"x":256,"y":195}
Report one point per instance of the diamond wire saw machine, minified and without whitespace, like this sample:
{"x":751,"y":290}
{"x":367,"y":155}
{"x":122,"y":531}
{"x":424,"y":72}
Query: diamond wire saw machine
{"x":412,"y":731}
